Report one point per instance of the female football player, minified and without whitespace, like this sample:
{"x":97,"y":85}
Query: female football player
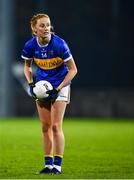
{"x":55,"y":64}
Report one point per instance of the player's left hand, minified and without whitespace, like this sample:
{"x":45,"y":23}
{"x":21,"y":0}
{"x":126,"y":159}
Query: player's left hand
{"x":53,"y":94}
{"x":31,"y":86}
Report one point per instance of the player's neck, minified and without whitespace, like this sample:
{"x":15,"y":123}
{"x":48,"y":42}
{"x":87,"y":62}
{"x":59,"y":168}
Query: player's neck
{"x":44,"y":41}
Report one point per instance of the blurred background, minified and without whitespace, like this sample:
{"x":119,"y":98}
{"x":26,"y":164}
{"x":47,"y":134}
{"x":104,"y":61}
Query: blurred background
{"x":100,"y":35}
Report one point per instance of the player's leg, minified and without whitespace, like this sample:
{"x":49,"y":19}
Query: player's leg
{"x":57,"y":114}
{"x":58,"y":110}
{"x":44,"y":111}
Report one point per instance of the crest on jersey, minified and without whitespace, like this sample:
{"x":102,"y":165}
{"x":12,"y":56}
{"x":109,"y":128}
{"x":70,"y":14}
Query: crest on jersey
{"x":44,"y":55}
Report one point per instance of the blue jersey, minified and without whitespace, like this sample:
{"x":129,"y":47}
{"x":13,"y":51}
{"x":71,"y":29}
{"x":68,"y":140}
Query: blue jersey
{"x":50,"y":59}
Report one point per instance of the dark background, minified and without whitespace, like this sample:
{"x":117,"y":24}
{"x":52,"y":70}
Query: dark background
{"x":100,"y":34}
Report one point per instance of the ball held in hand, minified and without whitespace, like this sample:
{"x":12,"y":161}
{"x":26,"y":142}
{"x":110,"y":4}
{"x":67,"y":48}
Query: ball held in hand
{"x":40,"y":89}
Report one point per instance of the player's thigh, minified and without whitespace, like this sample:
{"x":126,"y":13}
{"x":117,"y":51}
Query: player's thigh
{"x":44,"y":112}
{"x":58,"y":111}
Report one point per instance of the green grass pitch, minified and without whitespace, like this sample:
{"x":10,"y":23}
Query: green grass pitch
{"x":95,"y":149}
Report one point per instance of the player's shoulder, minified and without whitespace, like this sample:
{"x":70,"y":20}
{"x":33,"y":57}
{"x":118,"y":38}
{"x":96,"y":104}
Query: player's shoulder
{"x":31,"y":42}
{"x":58,"y":40}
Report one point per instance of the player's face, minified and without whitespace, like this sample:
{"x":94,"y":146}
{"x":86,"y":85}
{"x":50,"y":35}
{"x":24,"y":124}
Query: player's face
{"x":43,"y":27}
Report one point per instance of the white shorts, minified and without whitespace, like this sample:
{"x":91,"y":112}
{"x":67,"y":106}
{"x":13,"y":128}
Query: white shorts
{"x":64,"y":94}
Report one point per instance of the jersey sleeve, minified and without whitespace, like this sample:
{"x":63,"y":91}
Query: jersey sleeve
{"x":65,"y":52}
{"x":27,"y":52}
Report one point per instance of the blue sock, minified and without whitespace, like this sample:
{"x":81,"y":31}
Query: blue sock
{"x":58,"y":160}
{"x":48,"y":161}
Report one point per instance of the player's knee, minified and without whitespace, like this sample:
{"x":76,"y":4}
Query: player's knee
{"x":55,"y":128}
{"x":45,"y":128}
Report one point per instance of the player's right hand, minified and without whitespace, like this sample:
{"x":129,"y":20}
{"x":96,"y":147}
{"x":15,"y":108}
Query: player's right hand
{"x":31,"y":86}
{"x":53,"y":94}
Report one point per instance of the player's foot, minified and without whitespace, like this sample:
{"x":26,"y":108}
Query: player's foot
{"x":45,"y":170}
{"x":55,"y":171}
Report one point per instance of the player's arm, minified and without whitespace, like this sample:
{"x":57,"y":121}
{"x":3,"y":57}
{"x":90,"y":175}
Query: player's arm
{"x":70,"y":75}
{"x":29,"y":76}
{"x":28,"y":71}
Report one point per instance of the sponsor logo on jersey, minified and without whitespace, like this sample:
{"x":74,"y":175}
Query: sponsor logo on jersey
{"x":47,"y":64}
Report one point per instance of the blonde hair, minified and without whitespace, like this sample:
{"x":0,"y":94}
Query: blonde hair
{"x":34,"y":20}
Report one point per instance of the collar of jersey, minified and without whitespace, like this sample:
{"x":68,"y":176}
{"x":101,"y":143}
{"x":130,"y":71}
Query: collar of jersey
{"x":37,"y":39}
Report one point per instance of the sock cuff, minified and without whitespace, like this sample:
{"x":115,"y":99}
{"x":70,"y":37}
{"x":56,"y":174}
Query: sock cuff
{"x":58,"y":155}
{"x":49,"y":156}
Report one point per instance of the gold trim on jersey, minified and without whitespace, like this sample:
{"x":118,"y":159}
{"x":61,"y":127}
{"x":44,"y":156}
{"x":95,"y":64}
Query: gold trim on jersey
{"x":48,"y":63}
